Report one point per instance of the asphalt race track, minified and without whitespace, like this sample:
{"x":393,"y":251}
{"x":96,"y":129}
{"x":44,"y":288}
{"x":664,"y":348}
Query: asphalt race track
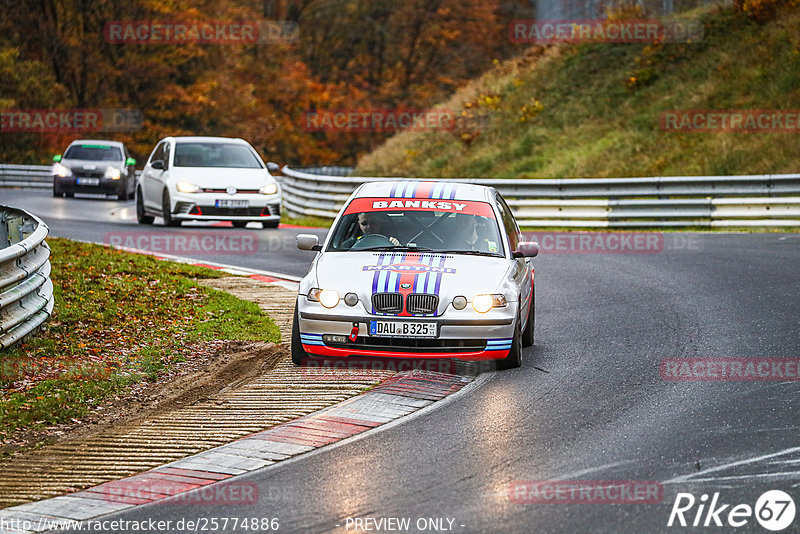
{"x":101,"y":220}
{"x":589,"y":403}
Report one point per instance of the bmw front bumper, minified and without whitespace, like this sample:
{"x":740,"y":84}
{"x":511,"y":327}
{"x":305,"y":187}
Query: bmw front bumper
{"x":462,"y":334}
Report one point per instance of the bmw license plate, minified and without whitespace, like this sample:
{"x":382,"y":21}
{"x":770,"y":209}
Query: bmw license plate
{"x":225,"y":203}
{"x":88,"y":181}
{"x":402,"y":329}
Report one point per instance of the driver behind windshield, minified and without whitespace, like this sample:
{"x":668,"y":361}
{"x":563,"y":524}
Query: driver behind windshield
{"x":372,"y":223}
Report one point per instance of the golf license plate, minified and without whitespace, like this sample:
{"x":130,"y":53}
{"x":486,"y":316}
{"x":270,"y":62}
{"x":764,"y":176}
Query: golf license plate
{"x":225,"y":203}
{"x":402,"y":329}
{"x":88,"y":181}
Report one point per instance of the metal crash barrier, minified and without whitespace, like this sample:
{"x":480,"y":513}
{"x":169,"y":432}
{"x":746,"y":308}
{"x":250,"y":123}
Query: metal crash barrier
{"x":769,"y":200}
{"x":26,"y":291}
{"x":657,"y":202}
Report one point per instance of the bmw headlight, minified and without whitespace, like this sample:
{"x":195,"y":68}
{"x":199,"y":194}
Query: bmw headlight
{"x":327,"y":297}
{"x":269,"y":189}
{"x":186,"y":187}
{"x":61,"y":171}
{"x":484,"y":303}
{"x":112,"y":173}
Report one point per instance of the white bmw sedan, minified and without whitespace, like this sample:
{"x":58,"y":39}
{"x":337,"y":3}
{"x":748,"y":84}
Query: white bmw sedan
{"x":208,"y":179}
{"x":410,"y":269}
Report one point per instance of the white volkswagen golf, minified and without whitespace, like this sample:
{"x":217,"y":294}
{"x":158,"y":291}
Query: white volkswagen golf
{"x":418,"y":270}
{"x":208,"y":179}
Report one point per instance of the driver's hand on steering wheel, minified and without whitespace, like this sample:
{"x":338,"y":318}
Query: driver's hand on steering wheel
{"x":394,"y":241}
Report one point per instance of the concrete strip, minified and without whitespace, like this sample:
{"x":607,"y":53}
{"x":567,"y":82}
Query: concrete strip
{"x":69,"y":507}
{"x":188,"y":463}
{"x":361,"y":416}
{"x":277,"y":447}
{"x":252,"y":453}
{"x":228,"y":458}
{"x":400,"y":400}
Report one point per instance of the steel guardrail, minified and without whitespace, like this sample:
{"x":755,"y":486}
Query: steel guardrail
{"x":26,"y":291}
{"x":38,"y":176}
{"x":655,"y":202}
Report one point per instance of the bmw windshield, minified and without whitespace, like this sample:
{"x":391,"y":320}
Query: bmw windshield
{"x":452,"y":227}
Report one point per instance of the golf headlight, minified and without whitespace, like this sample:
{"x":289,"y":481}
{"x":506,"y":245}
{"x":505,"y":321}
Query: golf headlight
{"x":61,"y":171}
{"x":269,"y":189}
{"x":112,"y":173}
{"x":186,"y":187}
{"x":327,"y":297}
{"x":484,"y":303}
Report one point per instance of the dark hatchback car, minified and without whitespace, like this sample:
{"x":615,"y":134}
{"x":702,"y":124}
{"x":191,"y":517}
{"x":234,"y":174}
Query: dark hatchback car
{"x":94,"y":166}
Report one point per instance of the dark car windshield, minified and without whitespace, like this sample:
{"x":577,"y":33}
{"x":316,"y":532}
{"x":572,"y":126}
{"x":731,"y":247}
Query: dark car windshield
{"x":94,"y":153}
{"x":416,"y":230}
{"x":199,"y":154}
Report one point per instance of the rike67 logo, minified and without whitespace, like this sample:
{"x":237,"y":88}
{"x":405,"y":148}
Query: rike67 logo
{"x":774,"y":510}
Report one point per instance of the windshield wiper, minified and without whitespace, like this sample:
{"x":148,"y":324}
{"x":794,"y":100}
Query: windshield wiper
{"x":472,"y":253}
{"x":400,"y":248}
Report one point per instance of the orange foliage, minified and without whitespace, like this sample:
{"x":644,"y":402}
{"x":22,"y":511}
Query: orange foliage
{"x":349,"y":54}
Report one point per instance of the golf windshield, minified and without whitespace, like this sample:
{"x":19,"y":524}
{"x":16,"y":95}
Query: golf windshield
{"x":197,"y":154}
{"x":454,"y":227}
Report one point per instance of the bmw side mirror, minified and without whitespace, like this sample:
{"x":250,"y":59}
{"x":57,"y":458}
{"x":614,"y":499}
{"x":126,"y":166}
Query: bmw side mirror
{"x":57,"y":158}
{"x":130,"y":161}
{"x":308,"y":242}
{"x":158,"y":164}
{"x":527,"y":249}
{"x":273,"y":167}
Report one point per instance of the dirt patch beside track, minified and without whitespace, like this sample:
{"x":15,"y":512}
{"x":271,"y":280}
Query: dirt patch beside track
{"x":241,"y":389}
{"x":230,"y":363}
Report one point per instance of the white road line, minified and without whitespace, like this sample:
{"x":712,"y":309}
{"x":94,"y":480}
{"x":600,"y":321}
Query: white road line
{"x":690,"y":476}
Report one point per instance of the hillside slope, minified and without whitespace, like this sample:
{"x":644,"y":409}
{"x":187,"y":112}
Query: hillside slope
{"x":592,"y":110}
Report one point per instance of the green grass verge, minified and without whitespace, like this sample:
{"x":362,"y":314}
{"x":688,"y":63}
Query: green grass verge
{"x":593,"y":110}
{"x":317,"y":222}
{"x":120,"y":320}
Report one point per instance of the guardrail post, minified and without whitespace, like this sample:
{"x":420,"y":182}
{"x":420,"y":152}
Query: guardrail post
{"x":4,"y":240}
{"x":13,"y":224}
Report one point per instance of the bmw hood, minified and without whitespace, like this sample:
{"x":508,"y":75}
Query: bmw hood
{"x":443,"y":275}
{"x":222,"y":177}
